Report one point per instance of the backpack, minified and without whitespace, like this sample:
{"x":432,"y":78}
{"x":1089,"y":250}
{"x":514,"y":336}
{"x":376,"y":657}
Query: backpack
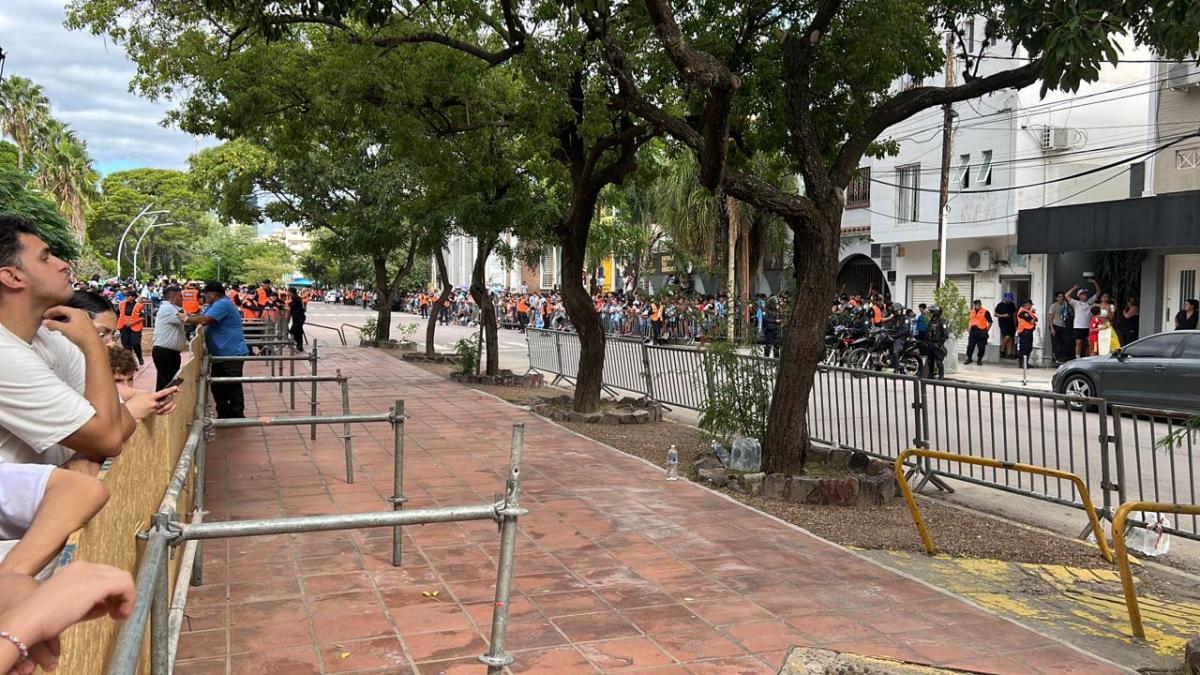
{"x":937,"y":332}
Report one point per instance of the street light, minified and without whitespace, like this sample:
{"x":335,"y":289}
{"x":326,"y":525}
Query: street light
{"x":218,"y":266}
{"x":121,"y":244}
{"x":138,"y":246}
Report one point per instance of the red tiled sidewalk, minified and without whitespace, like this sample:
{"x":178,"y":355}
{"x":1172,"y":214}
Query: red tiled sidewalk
{"x":617,"y":569}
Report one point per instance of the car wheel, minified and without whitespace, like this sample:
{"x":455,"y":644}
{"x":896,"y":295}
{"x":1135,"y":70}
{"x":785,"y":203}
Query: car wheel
{"x":1078,"y":385}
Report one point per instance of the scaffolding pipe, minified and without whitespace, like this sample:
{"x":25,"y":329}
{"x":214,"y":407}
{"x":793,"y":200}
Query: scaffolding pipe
{"x":259,"y":379}
{"x":398,"y":497}
{"x":347,"y":436}
{"x":312,"y":432}
{"x":497,"y":657}
{"x":128,"y":649}
{"x":262,"y":357}
{"x":341,"y":521}
{"x":267,"y":421}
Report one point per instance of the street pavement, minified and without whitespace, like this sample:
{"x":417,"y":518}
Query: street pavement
{"x":616,"y":568}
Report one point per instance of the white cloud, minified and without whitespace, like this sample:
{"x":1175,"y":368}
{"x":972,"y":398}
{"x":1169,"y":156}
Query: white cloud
{"x":87,"y":80}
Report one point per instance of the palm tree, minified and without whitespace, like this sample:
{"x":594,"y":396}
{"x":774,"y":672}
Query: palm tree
{"x":65,"y":172}
{"x":24,"y":109}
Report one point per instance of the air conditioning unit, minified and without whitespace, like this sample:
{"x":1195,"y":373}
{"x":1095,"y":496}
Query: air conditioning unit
{"x":1183,"y":76}
{"x":1056,"y":138}
{"x":980,"y":261}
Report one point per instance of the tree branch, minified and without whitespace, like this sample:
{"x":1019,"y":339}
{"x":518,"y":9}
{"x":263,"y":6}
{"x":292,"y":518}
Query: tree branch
{"x":912,"y":101}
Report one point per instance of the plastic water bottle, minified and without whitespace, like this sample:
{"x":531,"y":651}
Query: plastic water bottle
{"x":672,"y":463}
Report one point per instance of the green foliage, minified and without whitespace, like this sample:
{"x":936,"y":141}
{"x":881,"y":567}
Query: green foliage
{"x":17,"y":197}
{"x":406,"y":331}
{"x":166,"y":249}
{"x":242,"y":256}
{"x":466,"y":350}
{"x":956,"y":309}
{"x":369,"y":331}
{"x":738,"y":392}
{"x":1120,"y":273}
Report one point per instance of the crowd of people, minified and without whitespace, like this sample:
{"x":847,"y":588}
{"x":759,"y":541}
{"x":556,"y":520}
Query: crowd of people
{"x":68,"y":403}
{"x":666,"y":318}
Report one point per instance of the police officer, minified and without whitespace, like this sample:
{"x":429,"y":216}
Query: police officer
{"x":935,"y":344}
{"x":1026,"y":324}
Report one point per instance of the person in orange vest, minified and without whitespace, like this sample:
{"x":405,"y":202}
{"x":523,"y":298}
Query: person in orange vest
{"x":980,"y":324}
{"x":249,"y":306}
{"x":656,"y":321}
{"x":1026,"y":324}
{"x":191,"y":305}
{"x":522,"y":313}
{"x":130,"y":324}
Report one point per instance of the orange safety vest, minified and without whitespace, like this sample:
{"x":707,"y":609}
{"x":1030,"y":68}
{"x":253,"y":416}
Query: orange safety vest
{"x":979,"y":318}
{"x":191,"y":301}
{"x":231,"y":294}
{"x":131,"y":318}
{"x":1026,"y":320}
{"x":522,"y":306}
{"x":262,"y":297}
{"x":656,"y":312}
{"x":876,"y":315}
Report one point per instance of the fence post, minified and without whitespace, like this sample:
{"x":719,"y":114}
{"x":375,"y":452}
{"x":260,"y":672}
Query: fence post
{"x":497,"y":657}
{"x":292,"y":372}
{"x":649,"y":375}
{"x":398,"y":497}
{"x":558,"y":352}
{"x":312,"y":359}
{"x":160,"y":608}
{"x":346,"y":433}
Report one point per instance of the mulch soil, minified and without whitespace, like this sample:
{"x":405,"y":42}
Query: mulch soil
{"x":956,"y":531}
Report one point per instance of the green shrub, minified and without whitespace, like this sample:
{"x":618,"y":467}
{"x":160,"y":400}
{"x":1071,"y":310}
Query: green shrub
{"x":369,"y":331}
{"x":955,"y":308}
{"x":739,"y":392}
{"x":467,"y":352}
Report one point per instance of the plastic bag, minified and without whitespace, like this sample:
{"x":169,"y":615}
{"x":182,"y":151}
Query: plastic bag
{"x":1150,"y":541}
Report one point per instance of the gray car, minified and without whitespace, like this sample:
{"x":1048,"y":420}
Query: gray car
{"x":1160,"y":371}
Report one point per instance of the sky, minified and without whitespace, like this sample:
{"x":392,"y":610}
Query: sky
{"x":87,"y":78}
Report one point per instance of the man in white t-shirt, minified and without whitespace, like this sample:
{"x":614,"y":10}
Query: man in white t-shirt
{"x":1082,"y":306}
{"x":56,"y":388}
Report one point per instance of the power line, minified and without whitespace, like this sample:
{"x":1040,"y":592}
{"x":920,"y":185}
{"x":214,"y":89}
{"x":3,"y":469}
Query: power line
{"x":997,"y":57}
{"x":1118,"y":174}
{"x":1013,"y":160}
{"x":1059,"y":179}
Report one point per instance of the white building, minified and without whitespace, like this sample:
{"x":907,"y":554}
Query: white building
{"x":1012,"y":150}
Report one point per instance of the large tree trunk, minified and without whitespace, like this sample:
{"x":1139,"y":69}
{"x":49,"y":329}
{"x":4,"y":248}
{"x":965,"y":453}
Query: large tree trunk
{"x":439,"y":259}
{"x":487,"y":311}
{"x":383,"y":286}
{"x":814,"y":255}
{"x":579,"y":306}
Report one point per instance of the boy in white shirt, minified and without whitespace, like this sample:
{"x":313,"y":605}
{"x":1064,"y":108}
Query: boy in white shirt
{"x":40,"y":506}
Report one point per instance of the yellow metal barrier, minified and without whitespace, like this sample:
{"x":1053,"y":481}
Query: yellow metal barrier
{"x":1118,"y":528}
{"x":995,"y":464}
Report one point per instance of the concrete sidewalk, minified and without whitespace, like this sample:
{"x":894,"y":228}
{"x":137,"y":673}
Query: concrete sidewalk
{"x":617,"y":569}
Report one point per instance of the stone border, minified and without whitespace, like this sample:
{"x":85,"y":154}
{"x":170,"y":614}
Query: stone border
{"x":506,"y":378}
{"x":628,"y":410}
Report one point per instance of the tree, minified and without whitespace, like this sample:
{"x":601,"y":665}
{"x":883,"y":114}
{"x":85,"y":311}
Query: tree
{"x":16,"y":197}
{"x":567,"y":116}
{"x":124,"y":194}
{"x":24,"y":110}
{"x":242,"y":256}
{"x":66,"y":173}
{"x":815,"y":81}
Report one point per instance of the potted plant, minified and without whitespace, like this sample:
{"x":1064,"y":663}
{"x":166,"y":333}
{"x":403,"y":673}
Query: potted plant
{"x":368,"y":333}
{"x":957,"y":313}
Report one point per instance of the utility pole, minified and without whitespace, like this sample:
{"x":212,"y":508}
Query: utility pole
{"x":947,"y":141}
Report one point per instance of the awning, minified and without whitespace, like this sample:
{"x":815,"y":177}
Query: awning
{"x":1163,"y":221}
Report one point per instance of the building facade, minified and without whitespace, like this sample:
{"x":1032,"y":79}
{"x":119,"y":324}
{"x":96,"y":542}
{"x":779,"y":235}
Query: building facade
{"x":1012,"y":151}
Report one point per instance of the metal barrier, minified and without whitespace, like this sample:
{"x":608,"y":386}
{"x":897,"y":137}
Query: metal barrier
{"x":901,"y":478}
{"x":1120,"y":520}
{"x":1152,"y":471}
{"x":1117,"y":455}
{"x":154,"y":607}
{"x":341,"y":334}
{"x":275,"y":360}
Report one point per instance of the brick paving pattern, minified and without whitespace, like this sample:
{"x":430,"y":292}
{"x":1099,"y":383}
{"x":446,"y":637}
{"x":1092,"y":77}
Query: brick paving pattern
{"x":617,"y":570}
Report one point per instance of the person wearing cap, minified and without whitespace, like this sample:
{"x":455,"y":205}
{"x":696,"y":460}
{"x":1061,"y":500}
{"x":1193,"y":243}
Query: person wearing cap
{"x":223,"y":336}
{"x":1082,"y":306}
{"x":1006,"y":319}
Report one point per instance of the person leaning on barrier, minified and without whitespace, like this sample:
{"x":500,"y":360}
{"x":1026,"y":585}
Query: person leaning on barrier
{"x":170,"y":338}
{"x":33,"y":616}
{"x":223,"y":336}
{"x":40,"y":506}
{"x":56,"y":389}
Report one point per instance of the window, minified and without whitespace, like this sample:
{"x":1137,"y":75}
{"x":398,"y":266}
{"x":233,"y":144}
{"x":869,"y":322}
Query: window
{"x":858,"y":194}
{"x":1156,"y":347}
{"x":550,"y":265}
{"x":908,"y":196}
{"x":1192,"y":350}
{"x":968,"y":30}
{"x":1187,"y":159}
{"x":962,"y":174}
{"x":984,"y":175}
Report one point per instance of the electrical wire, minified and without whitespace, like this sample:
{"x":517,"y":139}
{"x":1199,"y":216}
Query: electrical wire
{"x":1007,"y":216}
{"x":1060,"y":179}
